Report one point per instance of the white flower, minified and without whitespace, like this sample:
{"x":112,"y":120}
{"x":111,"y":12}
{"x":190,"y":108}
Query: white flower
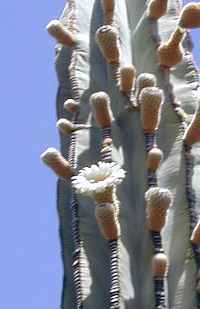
{"x":98,"y":178}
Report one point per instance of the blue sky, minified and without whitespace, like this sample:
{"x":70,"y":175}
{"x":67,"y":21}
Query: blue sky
{"x":30,"y":266}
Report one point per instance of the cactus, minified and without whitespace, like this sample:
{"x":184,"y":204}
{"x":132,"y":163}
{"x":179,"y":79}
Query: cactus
{"x":128,"y":112}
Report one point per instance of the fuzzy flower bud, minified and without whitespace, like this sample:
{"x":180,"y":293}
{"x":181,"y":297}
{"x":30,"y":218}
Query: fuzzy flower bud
{"x":108,"y":7}
{"x":154,"y":158}
{"x":107,"y":39}
{"x":127,"y":78}
{"x":53,"y":158}
{"x":100,"y":103}
{"x":170,"y":53}
{"x":71,"y":106}
{"x":159,"y":265}
{"x":190,"y":16}
{"x":192,"y":134}
{"x":65,"y":126}
{"x":158,"y":201}
{"x":145,"y":80}
{"x":151,"y":100}
{"x":61,"y":34}
{"x":107,"y":221}
{"x":156,"y":9}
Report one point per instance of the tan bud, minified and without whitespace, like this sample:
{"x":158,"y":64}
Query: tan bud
{"x":192,"y":134}
{"x":156,"y":9}
{"x":61,"y":34}
{"x":107,"y":39}
{"x":195,"y":237}
{"x":190,"y":15}
{"x":107,"y":221}
{"x":65,"y":126}
{"x":53,"y":158}
{"x":71,"y":106}
{"x":159,"y":265}
{"x":170,"y":53}
{"x":100,"y":103}
{"x":154,"y":158}
{"x":145,"y":80}
{"x":127,"y":78}
{"x":108,"y":7}
{"x":151,"y":100}
{"x":158,"y":201}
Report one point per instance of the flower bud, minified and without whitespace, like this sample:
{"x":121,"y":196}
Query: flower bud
{"x":145,"y":80}
{"x":53,"y":158}
{"x":192,"y":134}
{"x":127,"y":78}
{"x":65,"y":126}
{"x":158,"y":201}
{"x":71,"y":106}
{"x":154,"y":158}
{"x":195,"y":237}
{"x":170,"y":53}
{"x":100,"y":103}
{"x":190,"y":16}
{"x":156,"y":9}
{"x":61,"y":34}
{"x":159,"y":265}
{"x":107,"y":221}
{"x":107,"y":39}
{"x":108,"y":7}
{"x":151,"y":100}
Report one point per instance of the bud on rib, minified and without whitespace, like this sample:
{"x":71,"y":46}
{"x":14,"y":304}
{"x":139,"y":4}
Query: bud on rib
{"x":170,"y":53}
{"x":65,"y":126}
{"x":107,"y":221}
{"x":156,"y":9}
{"x":100,"y":103}
{"x":53,"y":158}
{"x":61,"y":34}
{"x":158,"y":201}
{"x":71,"y":106}
{"x":127,"y":78}
{"x":151,"y":100}
{"x":107,"y":39}
{"x":190,"y":16}
{"x":154,"y":158}
{"x":192,"y":134}
{"x":195,"y":238}
{"x":108,"y":7}
{"x":159,"y":265}
{"x":145,"y":80}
